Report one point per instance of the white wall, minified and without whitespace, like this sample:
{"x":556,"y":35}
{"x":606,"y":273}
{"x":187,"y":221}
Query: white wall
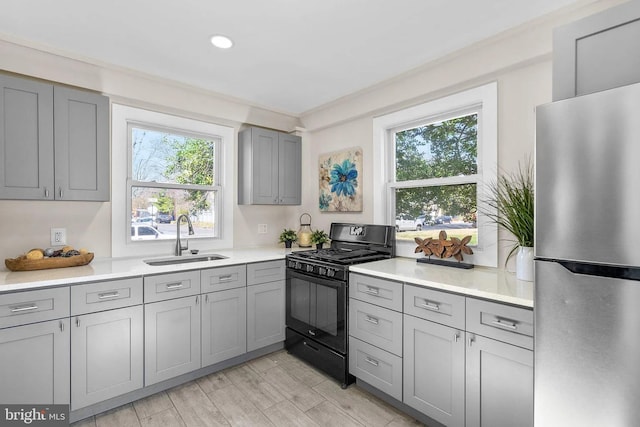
{"x":518,"y":60}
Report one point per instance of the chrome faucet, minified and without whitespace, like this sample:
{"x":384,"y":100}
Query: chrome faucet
{"x":179,"y":247}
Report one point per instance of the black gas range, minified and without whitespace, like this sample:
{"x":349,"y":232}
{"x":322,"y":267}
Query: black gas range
{"x":317,"y":294}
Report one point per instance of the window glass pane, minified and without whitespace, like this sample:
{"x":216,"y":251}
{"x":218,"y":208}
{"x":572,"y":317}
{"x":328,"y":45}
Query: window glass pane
{"x":154,"y":212}
{"x":442,"y":149}
{"x":424,"y":211}
{"x":171,"y":158}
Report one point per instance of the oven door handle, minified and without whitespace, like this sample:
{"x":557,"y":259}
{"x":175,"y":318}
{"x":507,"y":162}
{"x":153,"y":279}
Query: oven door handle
{"x":331,"y":283}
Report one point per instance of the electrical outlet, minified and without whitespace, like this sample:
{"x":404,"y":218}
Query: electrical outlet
{"x":58,"y":236}
{"x":262,"y":228}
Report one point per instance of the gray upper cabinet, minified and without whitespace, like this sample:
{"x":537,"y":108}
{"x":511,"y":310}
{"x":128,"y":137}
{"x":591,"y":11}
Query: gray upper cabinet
{"x":54,"y":142}
{"x":597,"y":53}
{"x":269,"y":169}
{"x":81,"y":134}
{"x":26,"y":139}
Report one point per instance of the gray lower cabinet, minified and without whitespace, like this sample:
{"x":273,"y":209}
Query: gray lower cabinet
{"x":224,"y":325}
{"x":54,"y":142}
{"x":265,"y":314}
{"x":499,"y":384}
{"x":171,"y":338}
{"x":34,"y":363}
{"x":269,"y":167}
{"x":106,"y":355}
{"x":434,"y":370}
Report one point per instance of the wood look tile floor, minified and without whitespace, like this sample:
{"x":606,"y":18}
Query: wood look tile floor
{"x":274,"y":390}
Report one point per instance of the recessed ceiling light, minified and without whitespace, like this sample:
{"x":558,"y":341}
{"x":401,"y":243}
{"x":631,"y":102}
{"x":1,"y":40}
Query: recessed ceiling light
{"x":223,"y":42}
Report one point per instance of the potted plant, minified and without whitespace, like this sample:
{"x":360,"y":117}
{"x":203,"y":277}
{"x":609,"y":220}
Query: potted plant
{"x":287,"y":237}
{"x":319,"y":238}
{"x":511,"y":207}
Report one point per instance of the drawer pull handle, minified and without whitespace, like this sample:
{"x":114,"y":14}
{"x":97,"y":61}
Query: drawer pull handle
{"x":310,"y":346}
{"x":109,"y":295}
{"x":371,"y":320}
{"x":371,"y":361}
{"x":22,"y":308}
{"x":225,"y":278}
{"x":174,"y":286}
{"x":430,"y":305}
{"x":505,"y":324}
{"x":372,"y":291}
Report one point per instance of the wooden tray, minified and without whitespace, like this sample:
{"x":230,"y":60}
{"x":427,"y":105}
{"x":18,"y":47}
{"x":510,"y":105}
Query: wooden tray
{"x":23,"y":264}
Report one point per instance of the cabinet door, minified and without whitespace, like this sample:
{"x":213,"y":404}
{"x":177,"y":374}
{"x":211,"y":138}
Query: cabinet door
{"x":224,"y":325}
{"x":81,"y":145}
{"x":434,"y":377}
{"x":34,"y":363}
{"x":499,"y":384}
{"x":265,"y":166}
{"x":171,"y":338}
{"x":265,"y":314}
{"x":289,"y":169}
{"x":106,"y":355}
{"x":26,"y":139}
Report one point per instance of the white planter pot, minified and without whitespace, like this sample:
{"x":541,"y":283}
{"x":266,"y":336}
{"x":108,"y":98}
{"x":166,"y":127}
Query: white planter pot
{"x":524,"y":263}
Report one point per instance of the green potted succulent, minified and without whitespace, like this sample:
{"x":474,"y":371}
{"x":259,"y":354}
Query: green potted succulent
{"x":511,"y":205}
{"x":319,"y":238}
{"x":287,"y":237}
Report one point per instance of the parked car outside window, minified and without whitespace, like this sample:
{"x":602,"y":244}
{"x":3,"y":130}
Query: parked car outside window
{"x":405,"y":222}
{"x":443,"y":219}
{"x":165,"y":218}
{"x":143,"y":232}
{"x":149,"y":220}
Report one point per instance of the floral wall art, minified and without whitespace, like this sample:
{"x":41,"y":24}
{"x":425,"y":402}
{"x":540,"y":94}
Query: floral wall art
{"x":341,"y":181}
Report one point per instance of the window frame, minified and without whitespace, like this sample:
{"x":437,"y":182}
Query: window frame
{"x":124,"y":118}
{"x":481,"y":100}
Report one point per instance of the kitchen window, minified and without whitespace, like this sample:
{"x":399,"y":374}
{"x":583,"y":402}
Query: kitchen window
{"x":166,"y":166}
{"x":434,"y":161}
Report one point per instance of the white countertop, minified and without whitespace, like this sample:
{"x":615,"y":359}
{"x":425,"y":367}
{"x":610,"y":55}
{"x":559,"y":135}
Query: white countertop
{"x":118,"y":268}
{"x":489,"y":283}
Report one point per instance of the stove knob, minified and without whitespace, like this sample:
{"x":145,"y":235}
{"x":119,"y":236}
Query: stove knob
{"x":310,"y":268}
{"x":331,"y":272}
{"x":322,"y":271}
{"x":291,"y":264}
{"x":298,"y":265}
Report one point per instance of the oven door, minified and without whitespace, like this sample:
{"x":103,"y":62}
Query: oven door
{"x":316,"y":307}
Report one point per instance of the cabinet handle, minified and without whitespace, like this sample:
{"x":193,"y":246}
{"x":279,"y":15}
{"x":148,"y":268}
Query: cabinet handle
{"x":61,"y":326}
{"x":371,"y":361}
{"x":501,"y":323}
{"x":172,"y":286}
{"x":456,"y":337}
{"x":371,"y":320}
{"x":46,"y":192}
{"x":197,"y":299}
{"x":109,"y":295}
{"x":206,"y":299}
{"x":225,"y":278}
{"x":77,"y":322}
{"x":430,"y":305}
{"x":22,"y":308}
{"x":372,"y":291}
{"x":470,"y":341}
{"x":60,"y":192}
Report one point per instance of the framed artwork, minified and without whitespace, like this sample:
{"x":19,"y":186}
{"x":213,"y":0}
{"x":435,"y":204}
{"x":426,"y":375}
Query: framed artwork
{"x":341,"y":181}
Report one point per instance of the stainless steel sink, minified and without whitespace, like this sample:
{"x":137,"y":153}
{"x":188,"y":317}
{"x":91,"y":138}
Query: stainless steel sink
{"x":183,"y":259}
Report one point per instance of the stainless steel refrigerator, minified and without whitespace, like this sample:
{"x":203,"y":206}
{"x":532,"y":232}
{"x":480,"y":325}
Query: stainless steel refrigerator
{"x":587,"y":261}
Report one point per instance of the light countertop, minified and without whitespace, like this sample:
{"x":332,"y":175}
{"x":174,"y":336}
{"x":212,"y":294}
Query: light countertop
{"x":492,"y":284}
{"x":118,"y":268}
{"x":489,"y":283}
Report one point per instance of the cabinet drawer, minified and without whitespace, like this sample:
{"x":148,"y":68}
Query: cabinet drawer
{"x":219,"y":279}
{"x":513,"y":325}
{"x":99,"y":296}
{"x":21,"y":308}
{"x":379,"y":368}
{"x":376,"y":325}
{"x":440,"y":307}
{"x":174,"y":285}
{"x":263,"y":272}
{"x":384,"y":293}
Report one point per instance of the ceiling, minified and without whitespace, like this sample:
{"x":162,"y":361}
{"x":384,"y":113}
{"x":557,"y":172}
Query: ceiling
{"x":289,"y":55}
